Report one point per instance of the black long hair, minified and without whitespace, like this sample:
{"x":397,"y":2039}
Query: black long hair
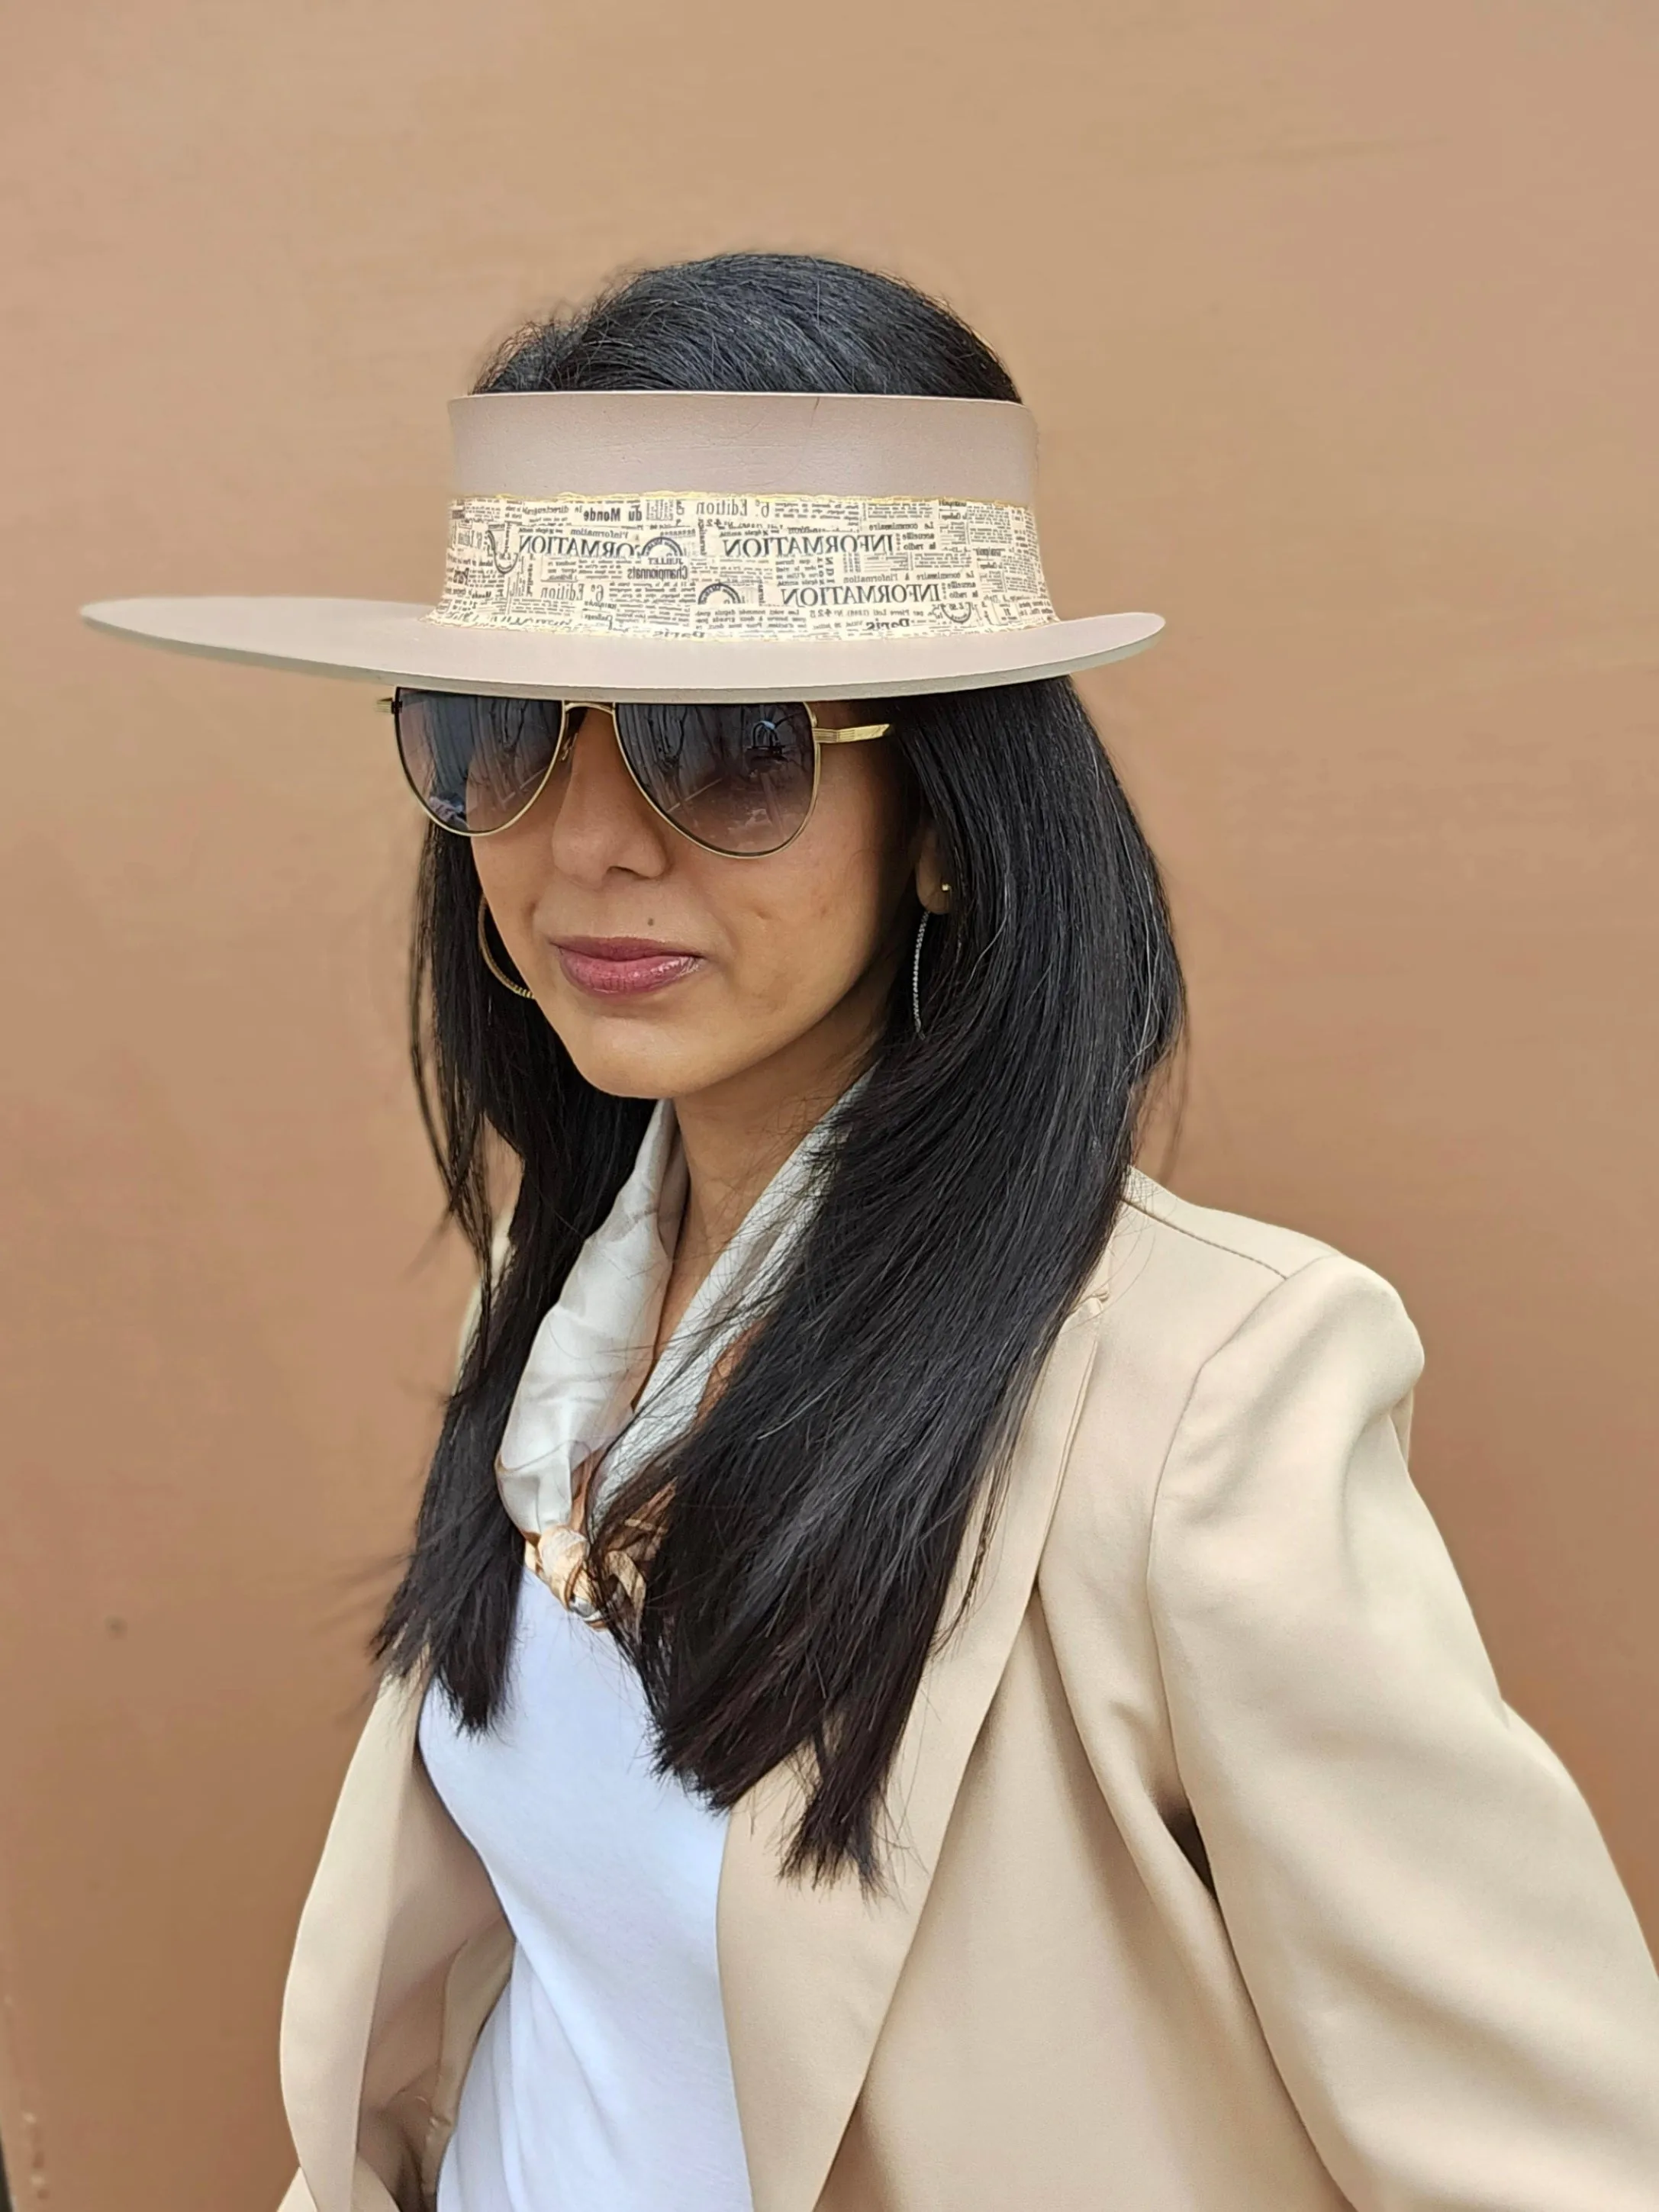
{"x":803,"y":1533}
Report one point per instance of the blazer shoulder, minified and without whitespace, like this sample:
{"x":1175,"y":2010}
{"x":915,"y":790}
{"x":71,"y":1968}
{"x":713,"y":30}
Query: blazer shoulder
{"x":1148,"y":1208}
{"x":1162,"y":1242}
{"x":1182,"y":1291}
{"x":1177,"y":1281}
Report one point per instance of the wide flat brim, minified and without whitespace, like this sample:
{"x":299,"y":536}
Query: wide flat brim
{"x":387,"y":641}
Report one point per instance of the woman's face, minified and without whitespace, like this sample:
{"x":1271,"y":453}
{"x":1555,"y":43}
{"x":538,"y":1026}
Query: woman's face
{"x":667,"y":970}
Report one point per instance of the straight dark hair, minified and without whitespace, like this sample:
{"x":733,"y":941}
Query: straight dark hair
{"x":804,"y":1534}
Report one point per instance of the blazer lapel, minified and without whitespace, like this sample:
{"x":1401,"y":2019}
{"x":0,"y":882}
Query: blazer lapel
{"x":397,"y":1893}
{"x":807,"y":1969}
{"x":329,"y":2001}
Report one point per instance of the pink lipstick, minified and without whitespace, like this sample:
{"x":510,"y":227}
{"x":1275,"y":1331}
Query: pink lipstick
{"x":623,"y":967}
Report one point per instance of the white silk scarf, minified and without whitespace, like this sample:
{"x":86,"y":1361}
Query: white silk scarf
{"x":589,"y":1385}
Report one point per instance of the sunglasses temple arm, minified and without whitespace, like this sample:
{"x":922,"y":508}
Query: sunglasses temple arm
{"x":861,"y":734}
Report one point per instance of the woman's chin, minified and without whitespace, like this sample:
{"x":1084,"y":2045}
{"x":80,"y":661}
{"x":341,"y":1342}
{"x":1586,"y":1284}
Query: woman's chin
{"x":642,"y":1064}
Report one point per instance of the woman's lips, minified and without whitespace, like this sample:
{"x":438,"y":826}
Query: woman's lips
{"x":623,"y":967}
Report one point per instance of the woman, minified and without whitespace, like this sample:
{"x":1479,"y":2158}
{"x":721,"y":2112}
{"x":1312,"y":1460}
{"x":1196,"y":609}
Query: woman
{"x":922,"y":1681}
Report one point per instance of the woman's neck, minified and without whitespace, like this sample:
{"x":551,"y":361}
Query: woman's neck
{"x":736,"y":1136}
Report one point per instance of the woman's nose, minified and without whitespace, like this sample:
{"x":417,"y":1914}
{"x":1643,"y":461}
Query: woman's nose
{"x":602,"y":822}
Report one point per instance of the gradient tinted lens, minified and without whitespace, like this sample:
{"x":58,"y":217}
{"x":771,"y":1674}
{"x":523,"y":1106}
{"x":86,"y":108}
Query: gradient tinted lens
{"x":475,"y":763}
{"x":738,"y":779}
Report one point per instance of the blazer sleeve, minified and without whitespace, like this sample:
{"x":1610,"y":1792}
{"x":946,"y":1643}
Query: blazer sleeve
{"x":1451,"y":1979}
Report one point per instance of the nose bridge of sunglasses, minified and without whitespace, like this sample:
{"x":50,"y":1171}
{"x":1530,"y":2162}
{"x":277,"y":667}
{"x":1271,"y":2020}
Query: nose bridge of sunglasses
{"x":578,"y":715}
{"x":601,"y":721}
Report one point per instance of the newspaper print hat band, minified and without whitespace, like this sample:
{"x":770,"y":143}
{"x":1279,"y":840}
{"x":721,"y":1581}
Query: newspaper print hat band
{"x":702,"y":545}
{"x":708,"y":564}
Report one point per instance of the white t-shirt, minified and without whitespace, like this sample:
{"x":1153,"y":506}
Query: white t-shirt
{"x":602,"y":2081}
{"x":602,"y":2078}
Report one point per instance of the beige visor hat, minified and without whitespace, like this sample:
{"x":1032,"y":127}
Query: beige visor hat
{"x":701,"y":546}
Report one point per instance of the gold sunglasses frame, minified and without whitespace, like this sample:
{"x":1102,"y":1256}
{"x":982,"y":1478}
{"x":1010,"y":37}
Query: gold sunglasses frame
{"x":858,"y":733}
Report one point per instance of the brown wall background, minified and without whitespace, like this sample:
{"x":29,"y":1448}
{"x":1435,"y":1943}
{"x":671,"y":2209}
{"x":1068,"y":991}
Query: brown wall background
{"x":1340,"y":326}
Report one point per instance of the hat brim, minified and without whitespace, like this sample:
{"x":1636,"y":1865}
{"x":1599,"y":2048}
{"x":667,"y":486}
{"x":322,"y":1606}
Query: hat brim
{"x":389,"y":641}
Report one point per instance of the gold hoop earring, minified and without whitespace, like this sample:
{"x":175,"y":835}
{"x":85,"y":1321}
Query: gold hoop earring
{"x":500,"y":973}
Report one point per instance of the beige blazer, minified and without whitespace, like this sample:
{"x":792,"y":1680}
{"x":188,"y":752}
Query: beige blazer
{"x":1226,"y":1882}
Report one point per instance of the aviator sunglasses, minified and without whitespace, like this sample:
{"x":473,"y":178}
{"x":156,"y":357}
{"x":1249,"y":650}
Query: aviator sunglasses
{"x":739,"y":780}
